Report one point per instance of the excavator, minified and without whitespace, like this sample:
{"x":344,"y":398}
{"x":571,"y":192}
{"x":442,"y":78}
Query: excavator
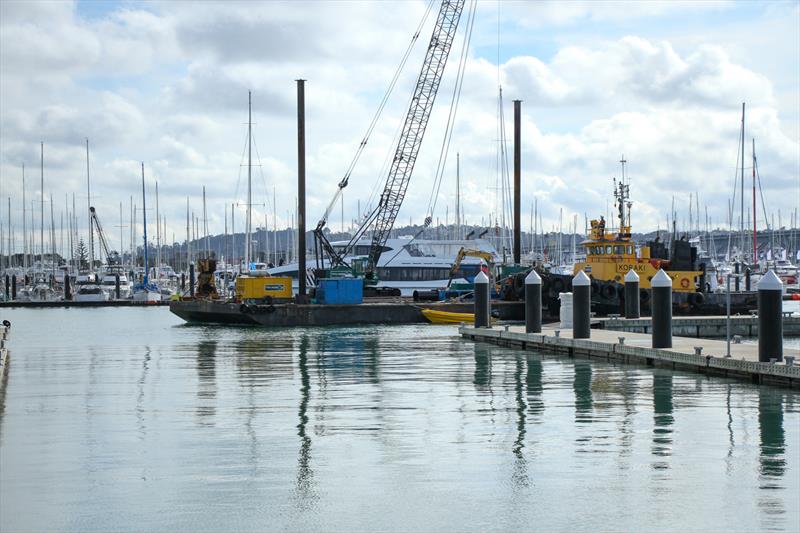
{"x":466,"y":252}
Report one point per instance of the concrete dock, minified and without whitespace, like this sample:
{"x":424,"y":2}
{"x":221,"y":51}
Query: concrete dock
{"x":699,"y":326}
{"x":635,"y":348}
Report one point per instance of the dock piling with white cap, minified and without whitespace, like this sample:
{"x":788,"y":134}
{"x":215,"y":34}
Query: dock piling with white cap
{"x":581,"y":306}
{"x":770,"y":318}
{"x":533,"y":303}
{"x":662,"y":310}
{"x":482,"y":301}
{"x":632,"y":309}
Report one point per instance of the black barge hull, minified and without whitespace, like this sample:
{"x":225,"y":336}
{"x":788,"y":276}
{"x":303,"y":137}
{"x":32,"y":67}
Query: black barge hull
{"x":291,"y":315}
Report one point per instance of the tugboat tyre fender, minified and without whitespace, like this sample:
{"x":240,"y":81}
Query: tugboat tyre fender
{"x":644,"y":296}
{"x":558,"y":285}
{"x":696,"y":298}
{"x":620,"y":291}
{"x":595,"y":287}
{"x":7,"y":323}
{"x":608,"y":291}
{"x":244,"y":308}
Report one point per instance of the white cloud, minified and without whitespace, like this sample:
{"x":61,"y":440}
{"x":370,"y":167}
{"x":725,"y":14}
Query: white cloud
{"x":168,"y":85}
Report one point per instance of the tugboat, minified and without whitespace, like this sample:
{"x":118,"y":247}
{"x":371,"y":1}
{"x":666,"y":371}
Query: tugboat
{"x":611,"y":253}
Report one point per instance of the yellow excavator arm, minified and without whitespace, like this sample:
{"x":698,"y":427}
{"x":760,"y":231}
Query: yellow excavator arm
{"x":466,"y":252}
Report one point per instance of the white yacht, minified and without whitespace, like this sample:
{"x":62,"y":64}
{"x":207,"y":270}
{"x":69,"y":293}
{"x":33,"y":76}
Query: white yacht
{"x":410,"y":265}
{"x":109,"y":283}
{"x":88,"y":288}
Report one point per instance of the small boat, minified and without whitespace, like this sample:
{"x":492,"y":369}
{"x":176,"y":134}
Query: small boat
{"x":447,"y":317}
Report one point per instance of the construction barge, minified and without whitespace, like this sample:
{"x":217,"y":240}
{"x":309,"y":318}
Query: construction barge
{"x":290,"y":314}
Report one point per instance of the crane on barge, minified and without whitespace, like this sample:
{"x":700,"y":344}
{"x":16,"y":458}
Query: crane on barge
{"x":383,"y":216}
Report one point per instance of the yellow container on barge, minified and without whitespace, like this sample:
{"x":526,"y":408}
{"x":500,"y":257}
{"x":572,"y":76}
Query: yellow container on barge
{"x":260,"y":287}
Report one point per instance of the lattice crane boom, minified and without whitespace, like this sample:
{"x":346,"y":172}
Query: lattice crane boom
{"x":384,"y":215}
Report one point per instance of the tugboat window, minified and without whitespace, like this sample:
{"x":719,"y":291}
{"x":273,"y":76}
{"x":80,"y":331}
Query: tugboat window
{"x":608,"y":250}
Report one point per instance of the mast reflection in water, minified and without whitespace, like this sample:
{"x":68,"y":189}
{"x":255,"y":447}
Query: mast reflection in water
{"x":375,"y":428}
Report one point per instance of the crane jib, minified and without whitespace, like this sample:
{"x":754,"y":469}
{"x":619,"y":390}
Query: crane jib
{"x":410,"y":140}
{"x":414,"y":127}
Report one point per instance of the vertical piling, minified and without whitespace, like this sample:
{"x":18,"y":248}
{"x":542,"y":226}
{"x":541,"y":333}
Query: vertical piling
{"x":747,"y":279}
{"x":581,"y":306}
{"x":661,"y":307}
{"x":632,"y":309}
{"x":8,"y":286}
{"x":517,"y":175}
{"x":183,"y":283}
{"x":482,"y":302}
{"x":770,"y":318}
{"x":117,"y":289}
{"x":301,"y":191}
{"x":13,"y":287}
{"x":736,"y":270}
{"x":67,"y":287}
{"x":191,"y":280}
{"x":533,"y":303}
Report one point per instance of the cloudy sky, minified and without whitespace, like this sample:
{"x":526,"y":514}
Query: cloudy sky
{"x":166,"y":83}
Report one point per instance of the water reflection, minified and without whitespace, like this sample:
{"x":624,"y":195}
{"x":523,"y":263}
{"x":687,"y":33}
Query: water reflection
{"x":770,"y":423}
{"x":582,"y":386}
{"x":662,"y":417}
{"x":305,"y":476}
{"x":772,"y":459}
{"x":483,"y":368}
{"x":520,"y":475}
{"x":207,"y":381}
{"x":533,"y":382}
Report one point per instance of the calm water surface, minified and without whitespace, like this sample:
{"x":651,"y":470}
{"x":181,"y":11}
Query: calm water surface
{"x":125,"y":419}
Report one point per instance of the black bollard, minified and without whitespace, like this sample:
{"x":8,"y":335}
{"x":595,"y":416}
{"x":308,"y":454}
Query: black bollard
{"x":747,"y":279}
{"x":67,"y":288}
{"x":736,"y":279}
{"x":117,"y":291}
{"x":581,"y":306}
{"x":482,"y":302}
{"x":183,"y":282}
{"x":13,"y":287}
{"x":632,"y":309}
{"x":8,"y":286}
{"x":770,"y":318}
{"x":533,"y":303}
{"x":191,"y":281}
{"x":661,"y":307}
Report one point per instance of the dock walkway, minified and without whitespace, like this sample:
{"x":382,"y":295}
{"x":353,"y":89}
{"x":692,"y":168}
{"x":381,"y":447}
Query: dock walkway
{"x":635,"y":348}
{"x":699,"y":326}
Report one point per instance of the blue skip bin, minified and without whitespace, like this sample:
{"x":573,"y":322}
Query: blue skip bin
{"x":340,"y":291}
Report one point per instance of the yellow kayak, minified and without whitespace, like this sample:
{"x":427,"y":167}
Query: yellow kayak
{"x":447,"y":317}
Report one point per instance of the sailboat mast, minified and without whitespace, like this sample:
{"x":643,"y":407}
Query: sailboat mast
{"x":158,"y":237}
{"x":144,"y":219}
{"x":89,"y":205}
{"x":41,"y":211}
{"x":249,"y":178}
{"x":188,"y":238}
{"x":205,"y":223}
{"x":24,"y":225}
{"x":458,"y":196}
{"x":755,"y":237}
{"x":741,"y":220}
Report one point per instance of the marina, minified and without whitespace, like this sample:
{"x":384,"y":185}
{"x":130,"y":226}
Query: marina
{"x":423,"y":265}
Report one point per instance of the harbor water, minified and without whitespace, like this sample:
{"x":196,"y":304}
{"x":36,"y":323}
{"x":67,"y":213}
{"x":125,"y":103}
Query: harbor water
{"x":128,"y":419}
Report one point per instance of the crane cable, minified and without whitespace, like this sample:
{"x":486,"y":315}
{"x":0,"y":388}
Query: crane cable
{"x":448,"y":130}
{"x":343,"y":183}
{"x":440,"y":167}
